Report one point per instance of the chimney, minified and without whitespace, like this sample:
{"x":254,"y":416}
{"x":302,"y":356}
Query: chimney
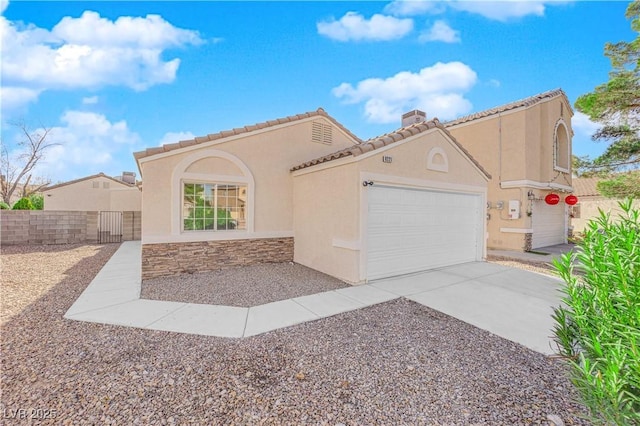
{"x":413,"y":117}
{"x":129,"y":177}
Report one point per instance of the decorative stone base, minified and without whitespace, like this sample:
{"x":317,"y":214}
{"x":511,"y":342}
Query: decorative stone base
{"x":160,"y":260}
{"x":528,"y":239}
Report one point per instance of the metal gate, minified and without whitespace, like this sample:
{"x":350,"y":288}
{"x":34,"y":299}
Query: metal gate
{"x":110,"y":227}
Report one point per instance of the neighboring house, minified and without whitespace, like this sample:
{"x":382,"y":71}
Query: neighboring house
{"x":94,"y":193}
{"x":526,"y":146}
{"x":305,"y":189}
{"x":590,"y":202}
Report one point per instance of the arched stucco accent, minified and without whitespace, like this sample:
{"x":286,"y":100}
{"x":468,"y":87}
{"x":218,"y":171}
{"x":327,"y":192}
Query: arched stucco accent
{"x":180,"y":174}
{"x":561,"y":147}
{"x":437,"y":160}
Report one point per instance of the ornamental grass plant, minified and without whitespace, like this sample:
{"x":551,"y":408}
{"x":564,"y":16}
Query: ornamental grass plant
{"x":597,"y":328}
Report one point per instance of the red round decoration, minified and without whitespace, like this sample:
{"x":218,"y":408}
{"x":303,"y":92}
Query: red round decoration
{"x":571,"y":199}
{"x":552,"y":199}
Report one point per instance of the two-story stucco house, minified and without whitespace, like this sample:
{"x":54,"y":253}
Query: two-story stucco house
{"x":304,"y":188}
{"x":526,"y":146}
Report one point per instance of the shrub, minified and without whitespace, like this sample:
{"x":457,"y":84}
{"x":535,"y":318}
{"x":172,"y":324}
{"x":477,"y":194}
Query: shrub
{"x":37,"y":200}
{"x":598,"y":329}
{"x":4,"y":206}
{"x":23,"y":204}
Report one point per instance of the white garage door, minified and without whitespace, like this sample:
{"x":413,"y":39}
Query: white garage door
{"x":413,"y":230}
{"x":548,"y":223}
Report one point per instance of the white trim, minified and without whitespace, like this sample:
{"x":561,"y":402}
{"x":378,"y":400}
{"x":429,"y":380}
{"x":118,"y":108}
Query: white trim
{"x":525,"y":183}
{"x":230,"y":138}
{"x":199,"y":236}
{"x":517,"y":230}
{"x":345,"y":244}
{"x":437,"y":167}
{"x":421,"y":184}
{"x":179,"y":175}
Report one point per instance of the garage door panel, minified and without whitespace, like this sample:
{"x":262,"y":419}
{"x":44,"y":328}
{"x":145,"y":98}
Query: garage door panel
{"x":548,"y":224}
{"x":413,"y":230}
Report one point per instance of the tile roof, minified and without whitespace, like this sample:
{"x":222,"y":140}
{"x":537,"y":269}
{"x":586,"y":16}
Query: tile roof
{"x":71,"y":182}
{"x":388,"y":139}
{"x":585,"y":187}
{"x":240,"y":130}
{"x":527,"y":102}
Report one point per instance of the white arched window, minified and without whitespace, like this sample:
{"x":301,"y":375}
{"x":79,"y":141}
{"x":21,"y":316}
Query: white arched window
{"x":210,"y":202}
{"x":561,"y":148}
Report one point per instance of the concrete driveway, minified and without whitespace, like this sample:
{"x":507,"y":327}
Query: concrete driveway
{"x":511,"y":303}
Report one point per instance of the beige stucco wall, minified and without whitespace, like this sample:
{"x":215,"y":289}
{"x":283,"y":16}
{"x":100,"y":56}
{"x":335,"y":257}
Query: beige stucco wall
{"x":326,"y":210}
{"x":125,"y":200}
{"x":517,"y":148}
{"x":589,"y":209}
{"x":329,"y":234}
{"x":82,"y":196}
{"x":263,"y":157}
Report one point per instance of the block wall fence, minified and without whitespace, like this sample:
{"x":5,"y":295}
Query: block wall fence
{"x":60,"y":227}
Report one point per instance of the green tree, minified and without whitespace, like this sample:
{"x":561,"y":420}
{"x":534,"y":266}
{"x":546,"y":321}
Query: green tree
{"x":597,"y":327}
{"x":23,"y":204}
{"x":621,"y":185}
{"x":37,"y":200}
{"x":616,"y":103}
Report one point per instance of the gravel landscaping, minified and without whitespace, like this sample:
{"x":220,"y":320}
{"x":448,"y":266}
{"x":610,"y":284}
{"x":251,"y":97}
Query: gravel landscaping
{"x":541,"y":267}
{"x":243,"y":286}
{"x":397,"y":363}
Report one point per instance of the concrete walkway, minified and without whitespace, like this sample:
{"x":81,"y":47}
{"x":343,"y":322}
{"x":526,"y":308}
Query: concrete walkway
{"x":511,"y":303}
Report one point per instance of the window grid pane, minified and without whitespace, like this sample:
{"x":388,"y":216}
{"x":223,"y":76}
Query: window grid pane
{"x":213,"y":207}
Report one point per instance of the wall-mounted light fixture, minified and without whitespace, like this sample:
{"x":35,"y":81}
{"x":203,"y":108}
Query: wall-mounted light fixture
{"x":367,"y":183}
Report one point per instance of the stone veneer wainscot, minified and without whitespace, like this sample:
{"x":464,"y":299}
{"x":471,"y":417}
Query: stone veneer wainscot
{"x":165,"y":259}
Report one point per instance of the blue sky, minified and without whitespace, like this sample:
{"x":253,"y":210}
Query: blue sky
{"x":112,"y":78}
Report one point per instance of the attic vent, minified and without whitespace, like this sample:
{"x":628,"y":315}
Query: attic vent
{"x":321,"y":133}
{"x":96,"y":184}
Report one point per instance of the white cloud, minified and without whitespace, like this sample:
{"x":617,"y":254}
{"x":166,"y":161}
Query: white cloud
{"x":3,"y":5}
{"x":16,"y":97}
{"x":173,"y":137}
{"x":494,"y":83}
{"x":438,"y":90}
{"x":582,"y":125}
{"x":91,"y":52}
{"x":353,"y":26}
{"x":88,"y":143}
{"x":502,"y":10}
{"x":440,"y":31}
{"x":90,"y":100}
{"x":414,"y":7}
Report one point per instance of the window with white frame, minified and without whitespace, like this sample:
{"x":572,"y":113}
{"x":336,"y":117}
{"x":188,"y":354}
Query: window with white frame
{"x":561,"y":155}
{"x":213,"y":206}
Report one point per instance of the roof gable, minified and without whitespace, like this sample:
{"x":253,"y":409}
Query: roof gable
{"x":391,"y":138}
{"x":99,"y":175}
{"x":220,"y":136}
